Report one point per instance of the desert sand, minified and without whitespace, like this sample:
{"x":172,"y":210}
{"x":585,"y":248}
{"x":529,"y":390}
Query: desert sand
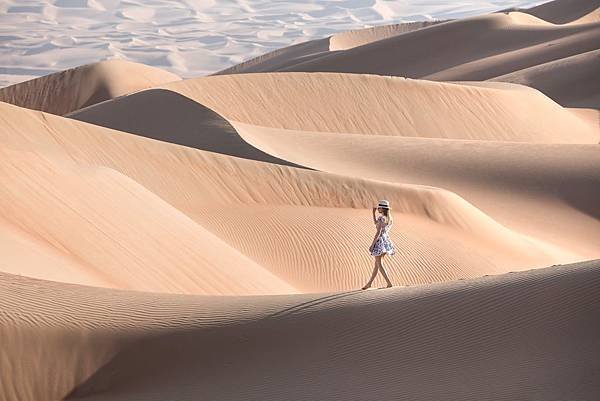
{"x":207,"y":237}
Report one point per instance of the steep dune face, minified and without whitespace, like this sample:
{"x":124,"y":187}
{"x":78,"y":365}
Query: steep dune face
{"x":568,"y":11}
{"x":225,"y":195}
{"x":375,"y":105}
{"x":569,"y":81}
{"x":70,"y":90}
{"x":482,"y":336}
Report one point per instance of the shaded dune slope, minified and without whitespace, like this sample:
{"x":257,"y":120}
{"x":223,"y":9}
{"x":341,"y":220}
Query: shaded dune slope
{"x":568,"y":11}
{"x":168,"y":116}
{"x":281,"y":58}
{"x":540,"y":328}
{"x":445,"y":237}
{"x":63,"y":92}
{"x":570,"y":81}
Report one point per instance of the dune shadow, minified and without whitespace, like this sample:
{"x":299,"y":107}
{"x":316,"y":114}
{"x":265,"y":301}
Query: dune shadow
{"x":168,"y":116}
{"x":309,"y":304}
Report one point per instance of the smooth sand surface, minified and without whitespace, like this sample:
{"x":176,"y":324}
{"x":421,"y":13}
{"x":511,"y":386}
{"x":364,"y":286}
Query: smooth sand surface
{"x":206,"y":238}
{"x":525,"y":335}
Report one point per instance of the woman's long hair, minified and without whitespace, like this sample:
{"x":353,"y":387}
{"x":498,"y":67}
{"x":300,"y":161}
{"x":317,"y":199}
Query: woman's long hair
{"x":388,"y":216}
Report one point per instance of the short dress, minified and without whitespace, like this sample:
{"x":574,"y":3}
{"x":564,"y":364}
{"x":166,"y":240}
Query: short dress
{"x":383,"y":244}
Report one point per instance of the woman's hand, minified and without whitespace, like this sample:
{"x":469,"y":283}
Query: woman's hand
{"x":371,"y":247}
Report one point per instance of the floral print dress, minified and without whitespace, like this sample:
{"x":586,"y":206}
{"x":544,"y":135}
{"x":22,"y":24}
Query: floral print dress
{"x":383,"y":244}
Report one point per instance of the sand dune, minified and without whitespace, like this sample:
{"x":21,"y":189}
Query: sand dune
{"x":184,"y":122}
{"x":314,"y":49}
{"x":491,"y":45}
{"x":97,"y":222}
{"x":568,"y":11}
{"x":190,"y":38}
{"x":569,"y":81}
{"x":527,"y":335}
{"x":519,"y":184}
{"x":205,"y":238}
{"x":370,"y":104}
{"x":72,"y":89}
{"x":348,"y":40}
{"x":226,"y":194}
{"x":507,"y":44}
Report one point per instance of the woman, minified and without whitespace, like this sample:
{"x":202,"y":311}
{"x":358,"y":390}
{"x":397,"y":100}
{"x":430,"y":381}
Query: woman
{"x":382,"y":244}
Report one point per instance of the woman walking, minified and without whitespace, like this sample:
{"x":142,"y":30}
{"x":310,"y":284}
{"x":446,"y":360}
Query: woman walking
{"x":382,"y":244}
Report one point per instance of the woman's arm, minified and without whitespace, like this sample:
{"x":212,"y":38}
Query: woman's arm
{"x":374,"y":219}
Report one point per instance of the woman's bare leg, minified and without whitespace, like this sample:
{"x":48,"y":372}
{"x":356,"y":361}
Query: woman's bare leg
{"x":385,"y":276}
{"x":375,"y":269}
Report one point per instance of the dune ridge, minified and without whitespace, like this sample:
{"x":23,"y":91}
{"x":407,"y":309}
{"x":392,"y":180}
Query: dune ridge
{"x":66,"y":91}
{"x":569,"y":81}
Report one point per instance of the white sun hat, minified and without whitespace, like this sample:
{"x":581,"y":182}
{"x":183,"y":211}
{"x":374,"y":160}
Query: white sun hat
{"x":384,"y":204}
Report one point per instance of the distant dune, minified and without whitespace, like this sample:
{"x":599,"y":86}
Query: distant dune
{"x":506,"y":46}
